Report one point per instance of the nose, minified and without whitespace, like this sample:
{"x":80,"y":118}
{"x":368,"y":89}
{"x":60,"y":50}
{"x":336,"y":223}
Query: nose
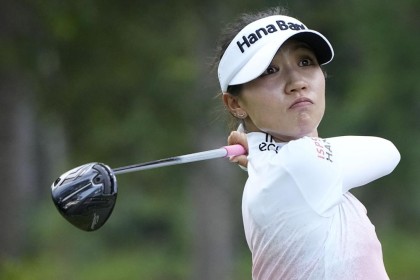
{"x":295,"y":83}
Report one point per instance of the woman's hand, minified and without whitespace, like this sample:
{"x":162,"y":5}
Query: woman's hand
{"x":237,"y":137}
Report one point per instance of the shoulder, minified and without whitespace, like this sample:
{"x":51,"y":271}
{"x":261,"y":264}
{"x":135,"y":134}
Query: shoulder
{"x":262,"y":142}
{"x":299,"y":152}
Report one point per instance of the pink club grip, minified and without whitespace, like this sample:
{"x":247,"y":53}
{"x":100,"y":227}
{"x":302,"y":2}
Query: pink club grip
{"x":234,"y":150}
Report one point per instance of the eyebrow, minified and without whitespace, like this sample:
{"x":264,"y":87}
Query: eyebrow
{"x":302,"y":45}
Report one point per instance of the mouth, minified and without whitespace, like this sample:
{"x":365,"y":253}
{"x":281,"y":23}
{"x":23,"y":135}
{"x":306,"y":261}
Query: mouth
{"x":301,"y":102}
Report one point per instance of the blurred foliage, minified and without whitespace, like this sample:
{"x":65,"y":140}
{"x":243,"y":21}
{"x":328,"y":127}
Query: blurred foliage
{"x":119,"y":80}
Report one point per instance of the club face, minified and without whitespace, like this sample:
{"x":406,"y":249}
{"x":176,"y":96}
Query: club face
{"x":85,"y":196}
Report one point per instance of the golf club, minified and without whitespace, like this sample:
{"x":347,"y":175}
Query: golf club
{"x":86,"y":195}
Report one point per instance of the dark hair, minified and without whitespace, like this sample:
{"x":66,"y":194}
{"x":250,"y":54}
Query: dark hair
{"x":230,"y":31}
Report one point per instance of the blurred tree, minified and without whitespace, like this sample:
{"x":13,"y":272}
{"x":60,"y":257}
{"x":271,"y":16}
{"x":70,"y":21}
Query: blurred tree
{"x":18,"y":130}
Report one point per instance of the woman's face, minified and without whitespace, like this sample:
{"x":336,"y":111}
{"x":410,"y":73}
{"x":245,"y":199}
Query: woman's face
{"x":288,"y":99}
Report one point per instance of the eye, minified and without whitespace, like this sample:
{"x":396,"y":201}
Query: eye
{"x":270,"y":70}
{"x":306,"y":62}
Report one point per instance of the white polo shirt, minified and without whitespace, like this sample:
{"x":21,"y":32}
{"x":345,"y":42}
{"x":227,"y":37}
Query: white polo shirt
{"x":300,"y":220}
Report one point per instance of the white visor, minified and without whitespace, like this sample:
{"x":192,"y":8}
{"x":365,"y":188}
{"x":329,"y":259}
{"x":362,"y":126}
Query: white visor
{"x":254,"y":47}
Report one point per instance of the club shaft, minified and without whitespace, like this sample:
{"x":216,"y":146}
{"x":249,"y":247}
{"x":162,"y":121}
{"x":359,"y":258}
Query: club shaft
{"x":233,"y":150}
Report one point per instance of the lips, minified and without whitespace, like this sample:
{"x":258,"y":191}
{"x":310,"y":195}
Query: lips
{"x":301,"y":102}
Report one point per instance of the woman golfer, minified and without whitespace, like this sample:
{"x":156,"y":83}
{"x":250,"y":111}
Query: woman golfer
{"x":300,"y":220}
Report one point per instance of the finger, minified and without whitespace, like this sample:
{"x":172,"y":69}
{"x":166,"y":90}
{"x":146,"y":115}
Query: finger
{"x":236,"y":137}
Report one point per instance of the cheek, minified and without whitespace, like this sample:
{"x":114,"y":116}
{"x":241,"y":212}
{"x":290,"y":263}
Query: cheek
{"x":319,"y":77}
{"x":259,"y":109}
{"x":320,"y":90}
{"x":250,"y":98}
{"x":319,"y":87}
{"x":260,"y":103}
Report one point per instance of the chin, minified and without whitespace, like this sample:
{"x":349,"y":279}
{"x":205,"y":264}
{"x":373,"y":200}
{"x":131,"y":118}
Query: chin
{"x":311,"y":131}
{"x":307,"y":126}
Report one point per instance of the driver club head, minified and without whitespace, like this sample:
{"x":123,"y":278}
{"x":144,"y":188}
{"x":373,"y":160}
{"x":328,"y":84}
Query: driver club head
{"x":85,"y":196}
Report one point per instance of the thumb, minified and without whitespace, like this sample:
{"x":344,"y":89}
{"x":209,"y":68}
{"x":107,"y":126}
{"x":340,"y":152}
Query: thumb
{"x":236,"y":137}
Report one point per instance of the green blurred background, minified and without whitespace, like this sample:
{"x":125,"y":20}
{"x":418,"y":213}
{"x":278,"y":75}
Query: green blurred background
{"x":123,"y":82}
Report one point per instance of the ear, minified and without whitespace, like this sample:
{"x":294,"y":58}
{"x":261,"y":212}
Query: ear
{"x":232,"y":104}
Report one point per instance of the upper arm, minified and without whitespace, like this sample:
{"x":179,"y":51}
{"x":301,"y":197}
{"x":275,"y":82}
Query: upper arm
{"x":364,"y":159}
{"x":312,"y":164}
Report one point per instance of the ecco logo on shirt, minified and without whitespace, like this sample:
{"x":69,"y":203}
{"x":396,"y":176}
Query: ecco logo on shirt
{"x":269,"y":147}
{"x":269,"y":144}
